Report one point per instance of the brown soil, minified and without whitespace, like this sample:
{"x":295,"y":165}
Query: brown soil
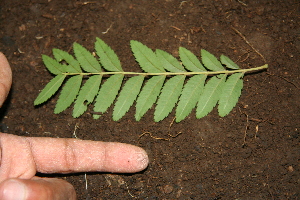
{"x":253,"y":153}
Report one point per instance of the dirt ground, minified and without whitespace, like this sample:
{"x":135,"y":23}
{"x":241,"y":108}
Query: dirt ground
{"x":253,"y":153}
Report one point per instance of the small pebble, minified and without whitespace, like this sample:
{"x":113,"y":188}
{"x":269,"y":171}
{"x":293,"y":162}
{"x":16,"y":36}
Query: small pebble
{"x":168,"y":189}
{"x":290,"y":168}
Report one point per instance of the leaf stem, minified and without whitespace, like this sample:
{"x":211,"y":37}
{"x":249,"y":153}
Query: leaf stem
{"x":173,"y":73}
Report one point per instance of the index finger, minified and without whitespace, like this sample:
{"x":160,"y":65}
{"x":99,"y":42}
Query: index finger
{"x":23,"y":156}
{"x":73,"y":155}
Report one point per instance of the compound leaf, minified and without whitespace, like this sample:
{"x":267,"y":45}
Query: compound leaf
{"x":169,"y":62}
{"x":190,"y":61}
{"x":168,"y":97}
{"x":68,"y":93}
{"x":107,"y":56}
{"x":86,"y":95}
{"x":127,"y":96}
{"x":210,"y":96}
{"x":53,"y":65}
{"x":73,"y":65}
{"x":148,"y":95}
{"x":190,"y":96}
{"x":164,"y":86}
{"x":210,"y":61}
{"x":231,"y":92}
{"x":50,"y":89}
{"x":146,"y":57}
{"x":228,"y":62}
{"x":87,"y":61}
{"x":108,"y":92}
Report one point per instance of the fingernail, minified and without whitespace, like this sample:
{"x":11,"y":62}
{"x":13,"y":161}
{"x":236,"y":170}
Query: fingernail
{"x":142,"y":159}
{"x":14,"y":190}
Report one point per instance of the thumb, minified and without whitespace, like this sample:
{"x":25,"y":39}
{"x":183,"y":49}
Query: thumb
{"x":36,"y":188}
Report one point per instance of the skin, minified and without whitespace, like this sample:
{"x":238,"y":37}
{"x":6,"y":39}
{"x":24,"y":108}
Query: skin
{"x":22,"y":157}
{"x":5,"y":78}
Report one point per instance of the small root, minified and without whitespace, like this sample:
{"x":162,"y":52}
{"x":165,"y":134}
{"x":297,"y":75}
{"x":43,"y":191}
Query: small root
{"x":159,"y":138}
{"x":244,"y":38}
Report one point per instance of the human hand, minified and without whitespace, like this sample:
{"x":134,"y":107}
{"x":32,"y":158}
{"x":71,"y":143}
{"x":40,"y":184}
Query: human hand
{"x":22,"y":157}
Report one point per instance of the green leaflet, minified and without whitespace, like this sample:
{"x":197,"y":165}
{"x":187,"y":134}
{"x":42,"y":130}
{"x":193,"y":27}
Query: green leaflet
{"x":210,"y":96}
{"x":190,"y":96}
{"x":190,"y":61}
{"x":87,"y":61}
{"x":107,"y":56}
{"x":107,"y":93}
{"x":165,"y":82}
{"x":210,"y":61}
{"x":73,"y":65}
{"x":127,"y":96}
{"x":50,"y":89}
{"x":86,"y":95}
{"x":148,"y":95}
{"x":146,"y":57}
{"x":228,"y":62}
{"x":169,"y":62}
{"x":168,"y":97}
{"x":53,"y":65}
{"x":68,"y":93}
{"x":230,"y":93}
